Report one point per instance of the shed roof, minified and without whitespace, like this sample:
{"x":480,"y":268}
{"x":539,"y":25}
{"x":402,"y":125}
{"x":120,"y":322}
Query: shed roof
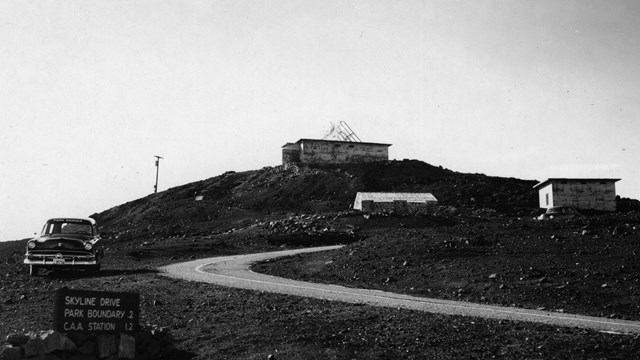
{"x":390,"y":197}
{"x":334,"y":141}
{"x":550,"y":180}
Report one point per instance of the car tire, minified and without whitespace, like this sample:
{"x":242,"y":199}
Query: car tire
{"x":33,"y":270}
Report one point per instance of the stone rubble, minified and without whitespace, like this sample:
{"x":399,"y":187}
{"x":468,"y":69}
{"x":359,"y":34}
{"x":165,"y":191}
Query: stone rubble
{"x":54,"y":345}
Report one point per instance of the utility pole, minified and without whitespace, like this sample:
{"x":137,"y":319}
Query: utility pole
{"x":155,"y":187}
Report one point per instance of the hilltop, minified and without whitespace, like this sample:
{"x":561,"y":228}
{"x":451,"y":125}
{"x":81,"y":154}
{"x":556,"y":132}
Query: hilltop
{"x":235,"y":200}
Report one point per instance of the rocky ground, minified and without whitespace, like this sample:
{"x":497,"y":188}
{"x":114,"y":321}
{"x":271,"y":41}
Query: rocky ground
{"x":585,"y":266}
{"x":563,"y":266}
{"x":476,"y":248}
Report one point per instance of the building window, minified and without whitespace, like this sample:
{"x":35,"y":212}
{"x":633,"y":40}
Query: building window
{"x":546,"y":197}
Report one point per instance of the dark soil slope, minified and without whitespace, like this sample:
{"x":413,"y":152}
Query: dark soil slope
{"x":236,"y":199}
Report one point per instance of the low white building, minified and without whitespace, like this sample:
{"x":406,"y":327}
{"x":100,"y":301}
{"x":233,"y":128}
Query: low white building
{"x":586,"y":194}
{"x":398,"y":203}
{"x":310,"y":151}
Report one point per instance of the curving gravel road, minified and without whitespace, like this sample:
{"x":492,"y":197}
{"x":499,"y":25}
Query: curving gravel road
{"x":233,"y":271}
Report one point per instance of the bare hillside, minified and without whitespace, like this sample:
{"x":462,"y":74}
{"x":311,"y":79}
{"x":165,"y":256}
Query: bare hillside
{"x":237,"y":199}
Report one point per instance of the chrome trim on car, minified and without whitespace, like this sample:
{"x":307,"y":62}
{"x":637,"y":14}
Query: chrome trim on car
{"x":49,"y":262}
{"x":69,"y":259}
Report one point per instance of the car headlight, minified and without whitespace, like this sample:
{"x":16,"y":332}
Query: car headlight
{"x":88,"y":246}
{"x":31,"y":244}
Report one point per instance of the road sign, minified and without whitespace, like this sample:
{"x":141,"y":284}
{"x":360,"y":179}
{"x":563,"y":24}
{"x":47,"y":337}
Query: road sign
{"x":86,"y":311}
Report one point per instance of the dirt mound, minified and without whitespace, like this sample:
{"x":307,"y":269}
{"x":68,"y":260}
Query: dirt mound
{"x":234,"y":200}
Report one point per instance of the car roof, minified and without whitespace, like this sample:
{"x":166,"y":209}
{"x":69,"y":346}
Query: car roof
{"x":68,"y":219}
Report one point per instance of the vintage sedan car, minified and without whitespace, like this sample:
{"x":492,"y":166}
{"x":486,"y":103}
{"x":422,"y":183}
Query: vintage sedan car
{"x":560,"y":212}
{"x":65,"y":243}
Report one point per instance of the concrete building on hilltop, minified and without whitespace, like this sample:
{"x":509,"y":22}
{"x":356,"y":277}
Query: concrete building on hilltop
{"x":395,"y":203}
{"x":309,"y":151}
{"x":585,"y":194}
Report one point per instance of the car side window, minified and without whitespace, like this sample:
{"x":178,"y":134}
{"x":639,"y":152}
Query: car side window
{"x":56,"y":228}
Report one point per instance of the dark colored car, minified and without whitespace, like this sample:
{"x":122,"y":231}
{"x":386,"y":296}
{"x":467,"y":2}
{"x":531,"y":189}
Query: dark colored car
{"x":560,"y":212}
{"x":65,"y":243}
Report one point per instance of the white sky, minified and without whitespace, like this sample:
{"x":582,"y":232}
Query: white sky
{"x":90,"y":91}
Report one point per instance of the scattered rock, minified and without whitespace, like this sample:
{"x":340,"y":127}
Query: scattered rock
{"x":106,"y":345}
{"x":55,"y":341}
{"x":147,"y":344}
{"x":11,"y":353}
{"x":34,"y":347}
{"x":17,"y":339}
{"x":127,"y":347}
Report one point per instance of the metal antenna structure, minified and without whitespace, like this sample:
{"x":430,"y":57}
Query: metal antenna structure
{"x":341,"y":132}
{"x":155,"y":187}
{"x":347,"y":133}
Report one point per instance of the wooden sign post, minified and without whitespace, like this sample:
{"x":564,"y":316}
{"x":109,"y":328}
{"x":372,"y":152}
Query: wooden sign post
{"x":85,"y":311}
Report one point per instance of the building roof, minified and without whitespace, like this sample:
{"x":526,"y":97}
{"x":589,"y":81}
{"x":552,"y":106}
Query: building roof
{"x":390,"y":197}
{"x":335,"y":141}
{"x":550,"y":180}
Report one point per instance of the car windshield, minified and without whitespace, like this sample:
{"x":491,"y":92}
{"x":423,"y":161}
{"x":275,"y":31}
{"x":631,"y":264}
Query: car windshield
{"x":67,"y":227}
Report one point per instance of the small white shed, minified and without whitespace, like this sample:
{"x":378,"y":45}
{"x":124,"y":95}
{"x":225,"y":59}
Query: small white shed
{"x":592,"y":194}
{"x":404,"y":203}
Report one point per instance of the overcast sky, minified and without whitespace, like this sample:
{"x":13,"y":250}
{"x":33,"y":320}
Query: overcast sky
{"x":90,"y":91}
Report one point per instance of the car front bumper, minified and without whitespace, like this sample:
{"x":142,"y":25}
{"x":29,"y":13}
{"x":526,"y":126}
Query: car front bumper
{"x":60,"y":260}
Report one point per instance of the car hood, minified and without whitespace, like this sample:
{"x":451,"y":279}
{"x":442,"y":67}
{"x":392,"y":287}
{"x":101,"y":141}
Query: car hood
{"x":68,"y":237}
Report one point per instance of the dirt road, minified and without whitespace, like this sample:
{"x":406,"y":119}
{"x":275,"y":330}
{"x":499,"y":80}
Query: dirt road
{"x":233,"y":271}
